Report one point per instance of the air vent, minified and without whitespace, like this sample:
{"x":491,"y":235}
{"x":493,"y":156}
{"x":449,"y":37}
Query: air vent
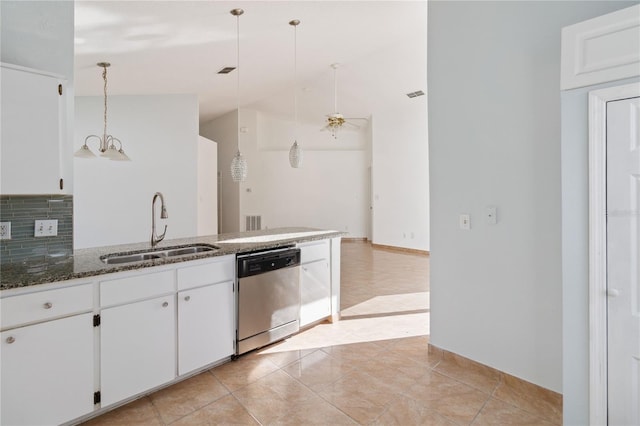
{"x":415,"y":94}
{"x":226,"y":70}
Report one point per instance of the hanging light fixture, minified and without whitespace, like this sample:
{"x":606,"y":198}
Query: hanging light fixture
{"x":238,"y":164}
{"x":107,"y":143}
{"x":295,"y":153}
{"x":335,"y":120}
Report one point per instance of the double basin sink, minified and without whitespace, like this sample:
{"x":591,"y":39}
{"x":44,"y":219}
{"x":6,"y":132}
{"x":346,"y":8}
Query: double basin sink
{"x":168,"y":252}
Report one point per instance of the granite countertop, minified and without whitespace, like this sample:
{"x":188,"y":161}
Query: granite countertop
{"x":87,"y":262}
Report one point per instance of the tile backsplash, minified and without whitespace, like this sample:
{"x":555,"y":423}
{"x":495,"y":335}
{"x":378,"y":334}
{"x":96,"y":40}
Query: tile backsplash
{"x":22,"y":211}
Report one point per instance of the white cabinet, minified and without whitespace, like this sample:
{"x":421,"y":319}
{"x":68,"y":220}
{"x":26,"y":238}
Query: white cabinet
{"x":47,"y":371}
{"x":33,"y":132}
{"x":315,"y":282}
{"x":205,"y":326}
{"x":206,"y":312}
{"x":137,"y":347}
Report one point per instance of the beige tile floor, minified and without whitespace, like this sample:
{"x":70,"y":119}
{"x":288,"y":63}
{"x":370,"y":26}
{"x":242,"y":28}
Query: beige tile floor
{"x":373,"y":367}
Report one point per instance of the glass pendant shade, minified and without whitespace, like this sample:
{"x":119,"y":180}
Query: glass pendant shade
{"x":238,"y":168}
{"x":295,"y":155}
{"x":84,"y":152}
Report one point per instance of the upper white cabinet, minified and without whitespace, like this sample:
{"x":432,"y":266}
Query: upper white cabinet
{"x":602,"y":49}
{"x":33,"y":132}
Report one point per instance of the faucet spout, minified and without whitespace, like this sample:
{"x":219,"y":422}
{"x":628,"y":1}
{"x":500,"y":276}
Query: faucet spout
{"x":155,"y":238}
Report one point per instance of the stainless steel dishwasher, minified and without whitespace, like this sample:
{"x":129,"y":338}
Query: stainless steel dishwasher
{"x":268,"y":297}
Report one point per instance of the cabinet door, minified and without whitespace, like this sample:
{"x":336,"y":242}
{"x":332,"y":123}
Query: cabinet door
{"x":138,"y":348}
{"x":315,"y":291}
{"x":32,"y":132}
{"x":47,"y":371}
{"x":206,"y":326}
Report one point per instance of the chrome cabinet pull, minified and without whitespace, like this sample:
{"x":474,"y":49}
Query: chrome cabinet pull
{"x":165,"y":304}
{"x":187,"y":298}
{"x":48,"y":305}
{"x":11,"y":339}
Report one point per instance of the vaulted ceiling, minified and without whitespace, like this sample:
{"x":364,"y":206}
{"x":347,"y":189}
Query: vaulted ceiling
{"x":164,"y":47}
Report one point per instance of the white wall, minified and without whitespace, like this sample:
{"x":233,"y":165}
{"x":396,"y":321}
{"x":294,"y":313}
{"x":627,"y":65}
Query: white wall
{"x":494,"y":135}
{"x":112,"y":199}
{"x":575,"y":251}
{"x":224,"y":131}
{"x":401,"y":176}
{"x":207,"y":186}
{"x":330,"y":189}
{"x":39,"y":35}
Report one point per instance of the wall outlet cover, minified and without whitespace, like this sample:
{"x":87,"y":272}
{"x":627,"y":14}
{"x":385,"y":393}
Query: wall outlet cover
{"x":5,"y":230}
{"x":46,"y":228}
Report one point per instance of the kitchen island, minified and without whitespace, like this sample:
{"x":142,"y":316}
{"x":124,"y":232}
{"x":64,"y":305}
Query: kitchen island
{"x":80,"y":336}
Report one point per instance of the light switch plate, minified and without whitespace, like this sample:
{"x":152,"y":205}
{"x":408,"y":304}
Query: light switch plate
{"x":465,"y":222}
{"x":5,"y":230}
{"x":46,"y":228}
{"x":491,"y":215}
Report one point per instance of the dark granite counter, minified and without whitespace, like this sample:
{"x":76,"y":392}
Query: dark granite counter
{"x":86,"y":262}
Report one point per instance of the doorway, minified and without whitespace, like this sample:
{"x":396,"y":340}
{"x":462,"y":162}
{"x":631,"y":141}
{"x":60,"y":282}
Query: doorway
{"x":614,"y":250}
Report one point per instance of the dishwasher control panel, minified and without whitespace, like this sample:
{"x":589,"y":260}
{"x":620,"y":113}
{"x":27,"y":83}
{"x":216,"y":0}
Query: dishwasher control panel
{"x":261,"y":262}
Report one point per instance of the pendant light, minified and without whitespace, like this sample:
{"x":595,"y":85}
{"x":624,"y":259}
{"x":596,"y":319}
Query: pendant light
{"x":238,"y":164}
{"x":107,"y":143}
{"x":295,"y":153}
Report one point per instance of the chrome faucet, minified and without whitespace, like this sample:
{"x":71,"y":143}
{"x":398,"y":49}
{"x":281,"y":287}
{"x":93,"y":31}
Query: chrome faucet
{"x":155,"y":239}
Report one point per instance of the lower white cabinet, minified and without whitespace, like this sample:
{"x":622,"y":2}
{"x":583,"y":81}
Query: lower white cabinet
{"x":47,"y":371}
{"x":137,"y":347}
{"x":205,"y":326}
{"x":315,"y":291}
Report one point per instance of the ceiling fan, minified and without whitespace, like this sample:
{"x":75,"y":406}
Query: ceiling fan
{"x":335,"y":120}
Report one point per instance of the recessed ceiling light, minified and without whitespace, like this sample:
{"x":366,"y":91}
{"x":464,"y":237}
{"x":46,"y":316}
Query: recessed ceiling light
{"x":226,"y":70}
{"x":415,"y":94}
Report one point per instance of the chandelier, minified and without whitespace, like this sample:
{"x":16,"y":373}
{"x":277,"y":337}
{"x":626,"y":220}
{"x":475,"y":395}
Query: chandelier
{"x":107,"y":143}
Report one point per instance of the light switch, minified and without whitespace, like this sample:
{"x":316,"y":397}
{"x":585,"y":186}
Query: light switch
{"x":46,"y":228}
{"x":465,"y":222}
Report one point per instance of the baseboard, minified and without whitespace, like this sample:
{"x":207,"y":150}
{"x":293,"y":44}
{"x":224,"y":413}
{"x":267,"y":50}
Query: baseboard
{"x":401,"y":249}
{"x":354,"y":239}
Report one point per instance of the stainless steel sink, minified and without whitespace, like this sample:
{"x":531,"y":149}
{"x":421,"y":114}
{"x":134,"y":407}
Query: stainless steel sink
{"x":118,"y":258}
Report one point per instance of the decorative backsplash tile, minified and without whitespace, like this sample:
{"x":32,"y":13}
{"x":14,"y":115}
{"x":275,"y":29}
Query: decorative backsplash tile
{"x":22,"y":211}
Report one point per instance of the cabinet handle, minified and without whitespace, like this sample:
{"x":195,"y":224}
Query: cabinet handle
{"x":187,"y":298}
{"x":11,"y":339}
{"x":48,"y":305}
{"x":165,"y":304}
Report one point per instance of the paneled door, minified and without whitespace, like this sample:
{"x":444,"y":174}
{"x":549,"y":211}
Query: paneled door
{"x":623,"y":261}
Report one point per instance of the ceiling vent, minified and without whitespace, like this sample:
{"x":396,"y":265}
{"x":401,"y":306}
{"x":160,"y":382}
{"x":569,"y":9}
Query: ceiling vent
{"x":415,"y":94}
{"x":226,"y":70}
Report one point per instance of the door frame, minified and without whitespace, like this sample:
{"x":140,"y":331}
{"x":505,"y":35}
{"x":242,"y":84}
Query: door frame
{"x":598,"y":245}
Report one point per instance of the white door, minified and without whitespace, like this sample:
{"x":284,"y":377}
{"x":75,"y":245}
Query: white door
{"x":623,"y":261}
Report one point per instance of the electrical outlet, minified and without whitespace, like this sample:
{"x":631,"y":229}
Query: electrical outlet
{"x":5,"y":230}
{"x":46,"y":228}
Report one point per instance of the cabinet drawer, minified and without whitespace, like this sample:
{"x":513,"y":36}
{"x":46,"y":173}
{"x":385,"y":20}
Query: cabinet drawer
{"x":43,"y":305}
{"x":207,"y":273}
{"x":314,"y":251}
{"x":129,"y":289}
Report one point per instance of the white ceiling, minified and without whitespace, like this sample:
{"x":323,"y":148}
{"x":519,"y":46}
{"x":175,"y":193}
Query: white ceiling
{"x":164,"y":47}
